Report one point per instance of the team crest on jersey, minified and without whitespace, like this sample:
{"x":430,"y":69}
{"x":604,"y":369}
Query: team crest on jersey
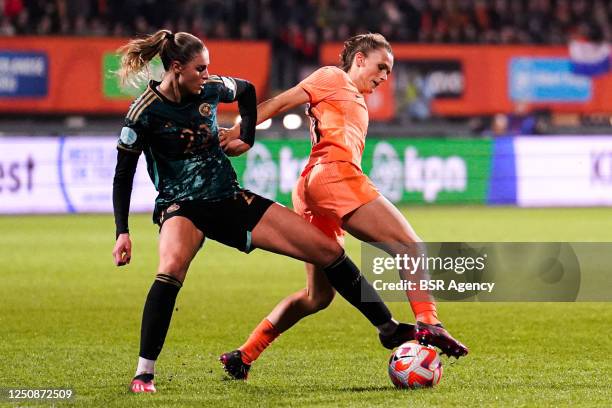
{"x":204,"y":109}
{"x":174,"y":207}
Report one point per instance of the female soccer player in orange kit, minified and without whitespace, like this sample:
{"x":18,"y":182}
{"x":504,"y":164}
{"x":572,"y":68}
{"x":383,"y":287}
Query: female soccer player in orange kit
{"x":335,"y":195}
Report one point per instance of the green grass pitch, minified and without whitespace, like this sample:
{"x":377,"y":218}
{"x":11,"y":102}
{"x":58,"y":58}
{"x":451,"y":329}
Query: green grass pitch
{"x":69,"y":318}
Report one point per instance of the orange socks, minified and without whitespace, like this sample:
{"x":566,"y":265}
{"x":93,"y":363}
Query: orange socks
{"x":425,"y":312}
{"x":263,"y":335}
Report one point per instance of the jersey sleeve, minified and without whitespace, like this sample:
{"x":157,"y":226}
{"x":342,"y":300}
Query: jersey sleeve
{"x":132,"y":136}
{"x":227,"y":89}
{"x":321,"y":84}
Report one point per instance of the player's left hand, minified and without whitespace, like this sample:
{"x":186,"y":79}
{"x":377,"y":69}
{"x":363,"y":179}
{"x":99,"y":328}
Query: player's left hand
{"x":122,"y":252}
{"x":228,"y":135}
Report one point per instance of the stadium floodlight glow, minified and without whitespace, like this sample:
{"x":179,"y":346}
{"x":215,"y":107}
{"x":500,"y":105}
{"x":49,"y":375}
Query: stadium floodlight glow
{"x":292,"y":121}
{"x":264,"y":125}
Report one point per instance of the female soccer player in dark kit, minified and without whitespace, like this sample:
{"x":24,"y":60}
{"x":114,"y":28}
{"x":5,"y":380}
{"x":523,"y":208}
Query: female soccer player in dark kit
{"x":174,"y":123}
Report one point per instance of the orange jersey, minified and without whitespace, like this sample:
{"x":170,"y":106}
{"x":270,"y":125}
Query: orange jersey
{"x":339,"y":117}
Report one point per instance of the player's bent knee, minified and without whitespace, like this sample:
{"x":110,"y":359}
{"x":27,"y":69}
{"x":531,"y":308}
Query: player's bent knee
{"x":327,"y":251}
{"x":314,"y":304}
{"x":174,"y":266}
{"x":321,"y":301}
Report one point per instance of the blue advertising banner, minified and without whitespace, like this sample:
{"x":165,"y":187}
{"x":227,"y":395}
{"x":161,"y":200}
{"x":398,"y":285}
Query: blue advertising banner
{"x":24,"y":74}
{"x":547,"y":80}
{"x":502,"y":183}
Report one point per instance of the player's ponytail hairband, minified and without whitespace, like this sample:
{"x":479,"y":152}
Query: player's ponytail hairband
{"x":169,"y":36}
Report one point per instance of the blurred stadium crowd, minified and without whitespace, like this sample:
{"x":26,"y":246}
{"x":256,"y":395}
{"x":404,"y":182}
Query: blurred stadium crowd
{"x":302,"y":24}
{"x":297,"y":28}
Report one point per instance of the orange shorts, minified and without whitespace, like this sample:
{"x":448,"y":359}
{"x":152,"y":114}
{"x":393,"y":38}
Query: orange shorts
{"x":327,"y":192}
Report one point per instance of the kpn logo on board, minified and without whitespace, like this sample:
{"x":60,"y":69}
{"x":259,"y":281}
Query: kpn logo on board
{"x":272,"y":170}
{"x":395,"y":175}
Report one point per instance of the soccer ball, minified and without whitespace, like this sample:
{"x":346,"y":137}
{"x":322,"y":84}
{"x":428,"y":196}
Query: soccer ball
{"x":413,"y":366}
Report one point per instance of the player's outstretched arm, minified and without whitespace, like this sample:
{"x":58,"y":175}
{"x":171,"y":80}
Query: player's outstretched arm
{"x":282,"y":103}
{"x":230,"y":138}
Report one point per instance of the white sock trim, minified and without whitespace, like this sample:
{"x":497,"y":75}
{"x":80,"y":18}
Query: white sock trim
{"x":145,"y":366}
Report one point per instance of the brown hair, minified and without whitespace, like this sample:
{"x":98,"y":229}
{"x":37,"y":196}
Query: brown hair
{"x":137,"y":54}
{"x":363,"y":43}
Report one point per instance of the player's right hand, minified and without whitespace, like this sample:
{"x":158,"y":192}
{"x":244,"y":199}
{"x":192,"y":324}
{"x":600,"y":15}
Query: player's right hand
{"x":122,"y":253}
{"x":228,"y":135}
{"x":236,"y":148}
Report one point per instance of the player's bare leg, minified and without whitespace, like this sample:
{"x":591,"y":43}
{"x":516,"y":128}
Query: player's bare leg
{"x":287,"y":233}
{"x":179,"y":241}
{"x":345,"y":278}
{"x":392,"y":228}
{"x":317,"y":295}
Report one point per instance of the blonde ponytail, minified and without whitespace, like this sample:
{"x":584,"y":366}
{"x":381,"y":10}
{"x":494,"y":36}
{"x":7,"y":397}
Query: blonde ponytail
{"x":136,"y":54}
